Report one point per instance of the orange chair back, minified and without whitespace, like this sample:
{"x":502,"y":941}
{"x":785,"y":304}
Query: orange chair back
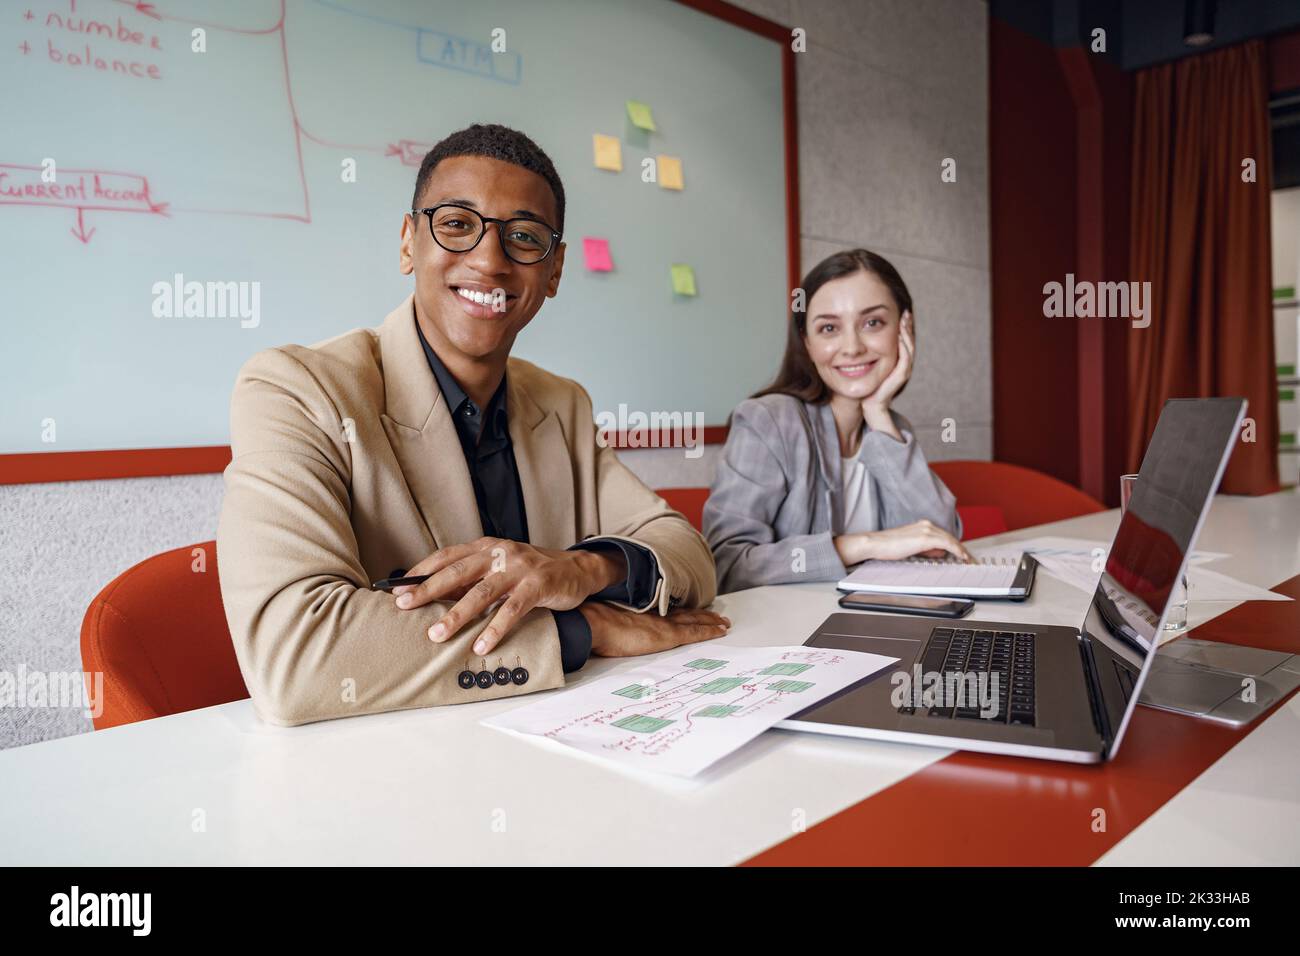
{"x":1023,"y":496}
{"x":158,"y":633}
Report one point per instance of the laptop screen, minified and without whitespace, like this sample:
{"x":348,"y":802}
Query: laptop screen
{"x":1180,"y":473}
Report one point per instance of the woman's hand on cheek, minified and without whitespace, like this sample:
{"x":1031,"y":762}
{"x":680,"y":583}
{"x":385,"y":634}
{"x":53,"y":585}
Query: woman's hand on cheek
{"x":875,"y":407}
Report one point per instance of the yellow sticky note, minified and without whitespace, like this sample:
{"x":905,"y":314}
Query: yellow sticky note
{"x":609,"y":153}
{"x":670,"y":172}
{"x":683,"y":279}
{"x":639,"y":113}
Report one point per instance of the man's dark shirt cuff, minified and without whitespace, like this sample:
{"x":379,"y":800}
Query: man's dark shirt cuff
{"x":575,"y":639}
{"x":642,"y":572}
{"x":635,"y":590}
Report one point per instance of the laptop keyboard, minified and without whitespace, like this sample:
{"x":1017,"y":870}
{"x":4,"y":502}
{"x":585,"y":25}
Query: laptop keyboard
{"x":957,"y":652}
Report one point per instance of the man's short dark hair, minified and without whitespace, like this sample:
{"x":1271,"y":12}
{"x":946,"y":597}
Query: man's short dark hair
{"x":495,"y":142}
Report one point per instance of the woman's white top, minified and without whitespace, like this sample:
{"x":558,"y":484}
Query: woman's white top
{"x":859,"y":497}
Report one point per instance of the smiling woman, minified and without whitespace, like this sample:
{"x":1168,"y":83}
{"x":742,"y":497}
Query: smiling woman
{"x":820,"y":473}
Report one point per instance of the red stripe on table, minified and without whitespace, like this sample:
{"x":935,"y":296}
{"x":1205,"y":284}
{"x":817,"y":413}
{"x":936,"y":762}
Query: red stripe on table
{"x":978,"y":809}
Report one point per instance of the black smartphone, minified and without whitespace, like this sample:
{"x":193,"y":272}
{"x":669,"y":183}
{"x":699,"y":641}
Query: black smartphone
{"x":907,"y":604}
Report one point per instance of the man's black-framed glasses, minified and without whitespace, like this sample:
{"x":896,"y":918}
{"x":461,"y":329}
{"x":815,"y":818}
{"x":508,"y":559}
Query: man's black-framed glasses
{"x":459,"y":229}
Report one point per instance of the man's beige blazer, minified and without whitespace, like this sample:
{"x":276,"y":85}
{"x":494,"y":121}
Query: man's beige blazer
{"x":347,"y":466}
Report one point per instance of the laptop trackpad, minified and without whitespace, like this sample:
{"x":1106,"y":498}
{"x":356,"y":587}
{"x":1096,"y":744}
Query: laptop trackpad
{"x":906,"y":649}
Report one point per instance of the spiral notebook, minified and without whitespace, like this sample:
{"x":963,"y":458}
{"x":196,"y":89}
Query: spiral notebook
{"x":1003,"y":576}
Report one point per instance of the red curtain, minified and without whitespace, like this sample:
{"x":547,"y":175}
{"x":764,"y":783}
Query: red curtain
{"x":1200,"y":236}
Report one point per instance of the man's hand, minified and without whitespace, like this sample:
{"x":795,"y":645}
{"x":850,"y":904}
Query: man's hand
{"x":619,"y":633}
{"x":482,"y":572}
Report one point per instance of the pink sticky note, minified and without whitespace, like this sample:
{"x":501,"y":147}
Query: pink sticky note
{"x":597,"y":254}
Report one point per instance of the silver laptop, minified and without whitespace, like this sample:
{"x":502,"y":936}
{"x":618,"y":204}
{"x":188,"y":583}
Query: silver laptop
{"x":1057,"y":693}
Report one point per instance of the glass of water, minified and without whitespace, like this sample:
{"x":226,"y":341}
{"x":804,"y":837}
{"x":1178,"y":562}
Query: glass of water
{"x":1176,"y":616}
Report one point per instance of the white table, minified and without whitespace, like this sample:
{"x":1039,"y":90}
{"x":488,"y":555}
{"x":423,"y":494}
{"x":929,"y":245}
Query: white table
{"x":216,"y":786}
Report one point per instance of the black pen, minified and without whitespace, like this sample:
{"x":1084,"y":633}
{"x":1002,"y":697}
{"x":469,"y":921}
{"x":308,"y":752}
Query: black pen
{"x":387,"y":584}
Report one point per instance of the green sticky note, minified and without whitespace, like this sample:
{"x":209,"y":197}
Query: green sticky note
{"x":683,"y":279}
{"x":639,"y":113}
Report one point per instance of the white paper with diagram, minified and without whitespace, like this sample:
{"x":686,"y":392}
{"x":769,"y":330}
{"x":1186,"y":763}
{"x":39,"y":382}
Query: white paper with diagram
{"x":682,"y":713}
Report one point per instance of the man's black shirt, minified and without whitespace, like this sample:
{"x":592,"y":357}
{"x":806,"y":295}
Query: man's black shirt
{"x":490,"y":458}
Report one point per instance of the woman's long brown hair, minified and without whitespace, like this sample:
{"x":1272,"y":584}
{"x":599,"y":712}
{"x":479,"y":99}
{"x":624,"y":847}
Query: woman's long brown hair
{"x":797,"y":375}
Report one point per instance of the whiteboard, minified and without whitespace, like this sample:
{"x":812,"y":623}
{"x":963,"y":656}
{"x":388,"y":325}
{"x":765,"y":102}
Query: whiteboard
{"x":227,"y":166}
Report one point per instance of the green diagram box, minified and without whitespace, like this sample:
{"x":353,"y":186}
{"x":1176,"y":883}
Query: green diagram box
{"x":706,"y":664}
{"x":717,"y":710}
{"x":785,"y":670}
{"x":636,"y":691}
{"x":642,"y":724}
{"x":721,"y":685}
{"x":790,"y":686}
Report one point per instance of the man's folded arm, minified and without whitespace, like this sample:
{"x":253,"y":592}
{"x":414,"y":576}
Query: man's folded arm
{"x":637,"y":590}
{"x":313,"y":641}
{"x":632,"y":514}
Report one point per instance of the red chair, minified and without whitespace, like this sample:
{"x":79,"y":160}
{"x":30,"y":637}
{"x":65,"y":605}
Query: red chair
{"x":158,"y":633}
{"x":991,"y":497}
{"x":980,"y":521}
{"x":689,"y":501}
{"x":1019,"y":497}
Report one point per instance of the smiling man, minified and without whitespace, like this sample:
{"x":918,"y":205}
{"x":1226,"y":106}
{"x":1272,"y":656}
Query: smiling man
{"x":421,"y":448}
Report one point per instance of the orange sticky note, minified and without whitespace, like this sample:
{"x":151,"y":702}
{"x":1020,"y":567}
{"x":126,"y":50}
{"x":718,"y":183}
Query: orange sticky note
{"x":609,"y":153}
{"x":596,"y":252}
{"x":670,"y":172}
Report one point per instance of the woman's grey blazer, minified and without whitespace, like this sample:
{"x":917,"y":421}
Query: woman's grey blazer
{"x":777,"y":495}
